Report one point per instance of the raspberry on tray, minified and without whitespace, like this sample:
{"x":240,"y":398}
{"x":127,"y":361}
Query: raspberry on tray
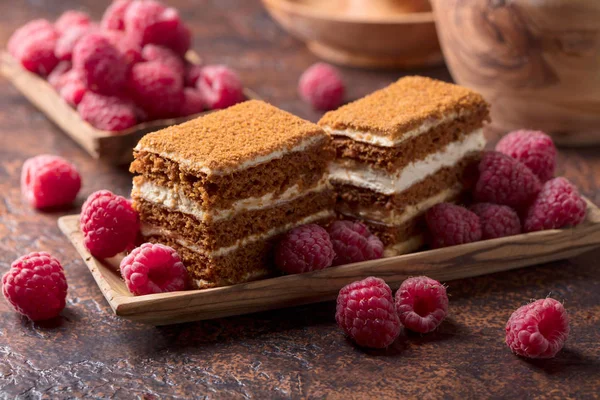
{"x":450,"y":225}
{"x":304,"y":249}
{"x":496,"y":221}
{"x":534,"y":149}
{"x":353,"y":242}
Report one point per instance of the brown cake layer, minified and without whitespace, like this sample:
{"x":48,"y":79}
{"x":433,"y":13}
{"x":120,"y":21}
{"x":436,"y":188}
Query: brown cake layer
{"x":304,"y":168}
{"x":354,"y":197}
{"x":404,"y":106}
{"x":228,"y":138}
{"x":248,"y":262}
{"x":415,"y":149}
{"x":214,"y":234}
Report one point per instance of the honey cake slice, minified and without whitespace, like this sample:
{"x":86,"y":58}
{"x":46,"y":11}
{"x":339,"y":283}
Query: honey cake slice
{"x":221,"y":188}
{"x":401,"y":150}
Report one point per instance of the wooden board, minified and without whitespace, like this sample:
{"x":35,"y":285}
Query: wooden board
{"x":446,"y":264}
{"x":112,"y":147}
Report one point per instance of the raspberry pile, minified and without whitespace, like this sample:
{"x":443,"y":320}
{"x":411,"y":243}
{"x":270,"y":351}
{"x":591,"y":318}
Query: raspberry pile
{"x":35,"y":285}
{"x":129,"y":68}
{"x":311,"y":247}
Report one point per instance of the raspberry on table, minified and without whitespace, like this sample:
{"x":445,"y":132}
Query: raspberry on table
{"x":73,"y":88}
{"x":353,"y":242}
{"x":33,"y":46}
{"x":496,"y":221}
{"x":49,"y":181}
{"x":422,"y":304}
{"x":303,"y":249}
{"x":153,"y":268}
{"x":70,"y":19}
{"x":538,"y":329}
{"x":66,"y":43}
{"x":534,"y":149}
{"x":104,"y":68}
{"x":192,"y":102}
{"x":365,"y":311}
{"x":107,"y":113}
{"x":114,"y":15}
{"x":558,"y":205}
{"x":220,"y":86}
{"x":35,"y":285}
{"x":109,"y":224}
{"x":322,"y":87}
{"x":164,"y":55}
{"x":149,"y":21}
{"x":504,"y":180}
{"x":157,"y":88}
{"x":450,"y":225}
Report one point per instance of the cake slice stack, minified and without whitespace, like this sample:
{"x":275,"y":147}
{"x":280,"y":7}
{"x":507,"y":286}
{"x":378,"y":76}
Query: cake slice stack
{"x":220,"y":189}
{"x":401,"y":150}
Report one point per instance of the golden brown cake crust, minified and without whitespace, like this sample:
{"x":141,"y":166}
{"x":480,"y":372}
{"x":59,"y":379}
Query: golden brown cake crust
{"x":226,"y":139}
{"x":403,"y":106}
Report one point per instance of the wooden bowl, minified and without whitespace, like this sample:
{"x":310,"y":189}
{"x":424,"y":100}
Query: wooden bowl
{"x":363,"y":33}
{"x":114,"y":148}
{"x":536,"y":61}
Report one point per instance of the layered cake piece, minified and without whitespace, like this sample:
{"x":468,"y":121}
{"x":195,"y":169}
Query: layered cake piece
{"x":220,"y":189}
{"x":401,"y":150}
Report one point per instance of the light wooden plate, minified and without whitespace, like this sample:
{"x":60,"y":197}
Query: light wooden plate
{"x":112,"y":147}
{"x":446,"y":264}
{"x":363,"y":33}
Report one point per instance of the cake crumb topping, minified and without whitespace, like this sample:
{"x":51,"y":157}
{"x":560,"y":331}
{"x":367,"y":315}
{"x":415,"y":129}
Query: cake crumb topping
{"x":227,"y":139}
{"x":403,"y":106}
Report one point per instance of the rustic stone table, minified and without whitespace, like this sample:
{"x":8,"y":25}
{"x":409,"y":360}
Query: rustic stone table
{"x":290,"y":353}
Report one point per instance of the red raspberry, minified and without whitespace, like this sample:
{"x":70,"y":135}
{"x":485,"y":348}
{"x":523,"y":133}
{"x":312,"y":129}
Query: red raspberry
{"x":558,"y":205}
{"x":109,"y":224}
{"x":157,"y":89}
{"x":107,"y":113}
{"x":33,"y":46}
{"x":192,"y":102}
{"x":114,"y":14}
{"x":49,"y":181}
{"x":153,"y":268}
{"x":220,"y":86}
{"x":180,"y":40}
{"x":73,"y":88}
{"x":504,"y":180}
{"x":150,"y":21}
{"x":422,"y":304}
{"x":322,"y":87}
{"x":538,"y":330}
{"x":535,"y":149}
{"x":129,"y":49}
{"x":304,"y":249}
{"x":353,"y":242}
{"x":104,"y":67}
{"x":164,"y":55}
{"x":66,"y":43}
{"x":192,"y":74}
{"x":36,"y":286}
{"x":57,"y":76}
{"x":70,"y":19}
{"x":450,"y":225}
{"x":496,"y":221}
{"x":365,"y":311}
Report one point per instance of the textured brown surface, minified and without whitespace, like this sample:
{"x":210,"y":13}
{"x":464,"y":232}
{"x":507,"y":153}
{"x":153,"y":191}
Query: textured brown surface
{"x":291,"y":353}
{"x":213,"y":141}
{"x":403,"y":106}
{"x":215,"y":234}
{"x":397,"y":157}
{"x":304,"y":168}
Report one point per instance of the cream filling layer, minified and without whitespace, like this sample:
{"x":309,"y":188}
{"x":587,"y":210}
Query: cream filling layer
{"x":410,"y":211}
{"x":150,"y":230}
{"x":409,"y":245}
{"x":381,"y":181}
{"x":175,"y":199}
{"x":378,"y":140}
{"x":303,"y":145}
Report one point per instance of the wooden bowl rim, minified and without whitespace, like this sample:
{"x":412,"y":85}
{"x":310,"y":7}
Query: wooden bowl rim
{"x":292,"y":7}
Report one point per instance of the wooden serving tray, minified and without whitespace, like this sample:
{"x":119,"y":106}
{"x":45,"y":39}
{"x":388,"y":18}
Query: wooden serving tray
{"x":445,"y":264}
{"x":112,"y":147}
